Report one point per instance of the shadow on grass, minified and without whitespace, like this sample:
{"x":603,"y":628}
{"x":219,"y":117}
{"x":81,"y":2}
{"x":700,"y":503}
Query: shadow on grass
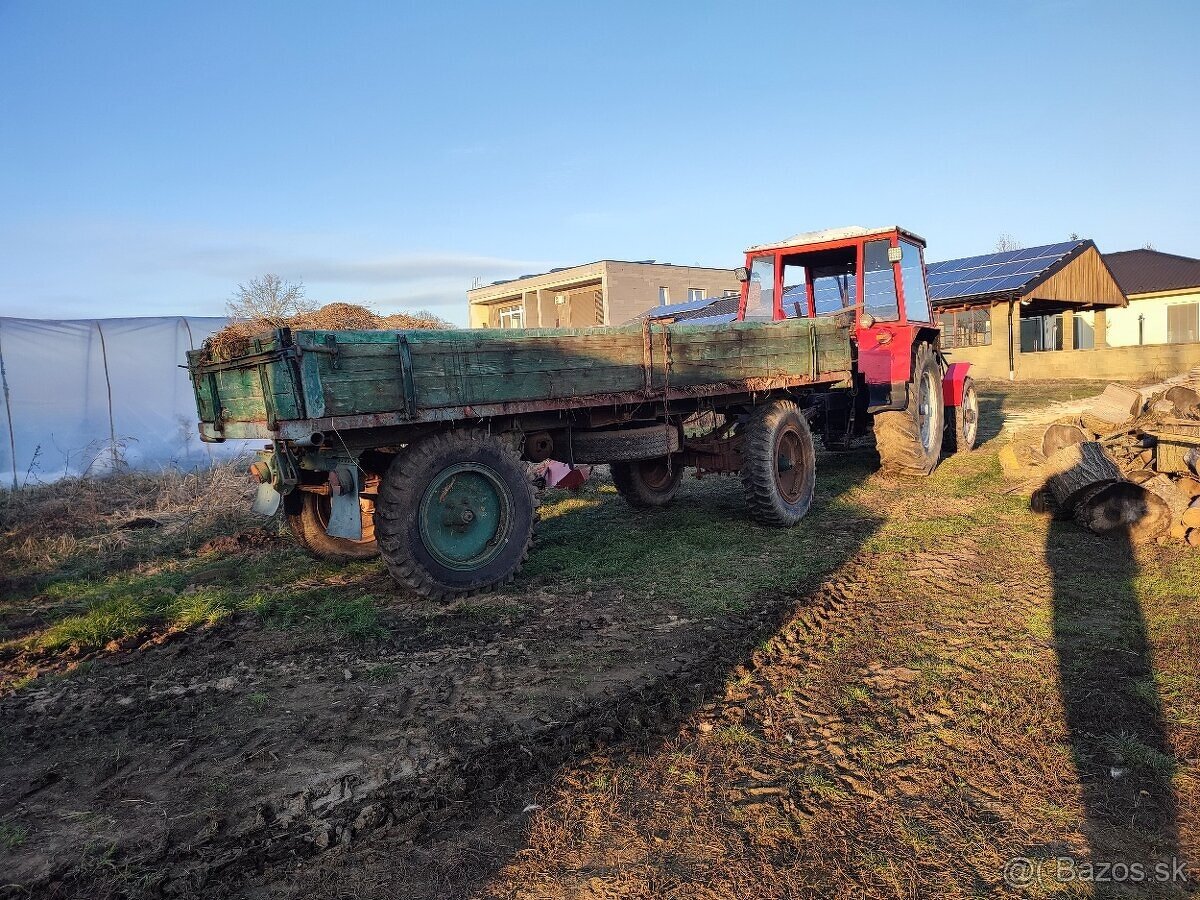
{"x":1113,"y":713}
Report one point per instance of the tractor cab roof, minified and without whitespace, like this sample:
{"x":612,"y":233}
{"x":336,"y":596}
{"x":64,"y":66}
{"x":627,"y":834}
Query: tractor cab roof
{"x":833,"y":235}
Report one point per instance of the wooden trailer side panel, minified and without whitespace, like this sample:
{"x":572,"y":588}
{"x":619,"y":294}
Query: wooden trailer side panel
{"x":408,"y":375}
{"x":380,"y":371}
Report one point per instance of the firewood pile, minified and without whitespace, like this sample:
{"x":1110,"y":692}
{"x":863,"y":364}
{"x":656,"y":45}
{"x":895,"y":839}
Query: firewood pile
{"x":1129,"y":463}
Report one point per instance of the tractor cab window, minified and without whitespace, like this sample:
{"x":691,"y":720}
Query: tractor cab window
{"x":760,"y":292}
{"x":795,"y":291}
{"x":916,"y":301}
{"x":834,"y":288}
{"x":879,"y":282}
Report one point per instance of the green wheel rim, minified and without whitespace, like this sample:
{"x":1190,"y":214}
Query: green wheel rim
{"x":466,"y":516}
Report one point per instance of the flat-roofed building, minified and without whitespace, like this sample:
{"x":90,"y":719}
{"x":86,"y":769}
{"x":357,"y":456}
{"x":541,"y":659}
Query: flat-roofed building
{"x":606,"y":292}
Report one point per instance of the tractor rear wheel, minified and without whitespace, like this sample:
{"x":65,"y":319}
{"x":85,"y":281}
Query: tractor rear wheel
{"x":962,"y":422}
{"x":647,"y":483}
{"x":910,"y":440}
{"x":455,"y":514}
{"x":778,"y":464}
{"x":308,"y":516}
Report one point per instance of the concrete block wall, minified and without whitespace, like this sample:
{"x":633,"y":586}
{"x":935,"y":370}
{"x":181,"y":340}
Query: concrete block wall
{"x":633,"y":288}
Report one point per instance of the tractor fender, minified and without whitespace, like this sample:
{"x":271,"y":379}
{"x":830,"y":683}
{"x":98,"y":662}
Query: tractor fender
{"x":953,"y":381}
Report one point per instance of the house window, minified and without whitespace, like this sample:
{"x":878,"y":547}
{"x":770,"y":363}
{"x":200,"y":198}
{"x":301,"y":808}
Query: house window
{"x":664,"y":296}
{"x":511,"y":317}
{"x":1183,"y":323}
{"x":1041,"y":333}
{"x":966,"y":328}
{"x":1084,"y":331}
{"x":695,"y":294}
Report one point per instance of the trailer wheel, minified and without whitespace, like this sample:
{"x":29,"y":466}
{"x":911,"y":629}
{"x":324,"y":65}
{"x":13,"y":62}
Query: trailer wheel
{"x":455,"y":514}
{"x":648,"y":482}
{"x":308,"y":517}
{"x":962,"y":422}
{"x":778,"y":464}
{"x":910,"y":440}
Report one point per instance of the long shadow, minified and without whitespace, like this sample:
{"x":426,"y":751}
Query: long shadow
{"x":1114,"y":721}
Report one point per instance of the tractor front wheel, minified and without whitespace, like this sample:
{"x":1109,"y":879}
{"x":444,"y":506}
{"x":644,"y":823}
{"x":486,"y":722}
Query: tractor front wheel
{"x":910,"y":440}
{"x":455,"y":514}
{"x":778,"y":464}
{"x":647,"y":483}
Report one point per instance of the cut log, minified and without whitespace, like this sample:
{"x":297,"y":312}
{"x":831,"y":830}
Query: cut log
{"x":1178,"y":531}
{"x":1117,"y":405}
{"x":1190,"y":486}
{"x":1141,"y":476}
{"x":1167,"y":490}
{"x":1061,"y":435}
{"x":1043,"y":503}
{"x":1184,"y":400}
{"x":1193,"y":537}
{"x":1124,"y":507}
{"x":1076,"y":469}
{"x":1191,"y":517}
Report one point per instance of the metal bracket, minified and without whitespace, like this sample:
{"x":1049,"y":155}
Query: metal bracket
{"x":407,"y":385}
{"x":345,"y":511}
{"x":330,"y":347}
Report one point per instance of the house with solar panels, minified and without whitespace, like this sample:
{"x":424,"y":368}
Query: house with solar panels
{"x":1019,"y":313}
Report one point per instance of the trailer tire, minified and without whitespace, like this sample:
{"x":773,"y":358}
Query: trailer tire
{"x":455,"y":514}
{"x":647,"y":483}
{"x":778,"y":464}
{"x":910,"y":440}
{"x":962,"y":422}
{"x":308,"y":516}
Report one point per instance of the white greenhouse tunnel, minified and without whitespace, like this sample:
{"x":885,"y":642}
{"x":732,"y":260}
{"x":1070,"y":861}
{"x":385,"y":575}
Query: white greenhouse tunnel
{"x":78,"y":397}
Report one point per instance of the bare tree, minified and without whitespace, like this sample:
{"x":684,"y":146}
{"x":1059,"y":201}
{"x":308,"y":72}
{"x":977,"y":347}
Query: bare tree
{"x":1007,"y":242}
{"x":270,"y":298}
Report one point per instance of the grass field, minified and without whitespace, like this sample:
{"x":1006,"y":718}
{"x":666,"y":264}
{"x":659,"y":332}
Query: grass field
{"x":917,"y":685}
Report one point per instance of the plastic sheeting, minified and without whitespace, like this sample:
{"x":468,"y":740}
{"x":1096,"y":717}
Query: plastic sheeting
{"x":84,"y":396}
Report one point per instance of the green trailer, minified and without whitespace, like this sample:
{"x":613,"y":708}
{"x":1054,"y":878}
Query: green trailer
{"x":417,"y":444}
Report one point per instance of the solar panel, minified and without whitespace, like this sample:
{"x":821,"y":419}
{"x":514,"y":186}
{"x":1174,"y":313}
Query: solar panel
{"x":993,"y":273}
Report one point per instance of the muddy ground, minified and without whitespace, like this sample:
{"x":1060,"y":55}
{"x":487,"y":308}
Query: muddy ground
{"x":919,"y":684}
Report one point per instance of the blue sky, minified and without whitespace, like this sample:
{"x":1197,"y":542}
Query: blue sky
{"x":153,"y":155}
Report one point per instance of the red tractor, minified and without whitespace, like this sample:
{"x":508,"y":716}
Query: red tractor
{"x":918,"y":403}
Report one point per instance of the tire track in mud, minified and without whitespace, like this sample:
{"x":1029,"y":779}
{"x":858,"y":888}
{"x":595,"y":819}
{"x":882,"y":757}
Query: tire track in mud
{"x":820,"y":756}
{"x":505,"y":773}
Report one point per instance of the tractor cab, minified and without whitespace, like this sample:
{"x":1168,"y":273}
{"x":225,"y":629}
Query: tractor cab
{"x":873,"y":279}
